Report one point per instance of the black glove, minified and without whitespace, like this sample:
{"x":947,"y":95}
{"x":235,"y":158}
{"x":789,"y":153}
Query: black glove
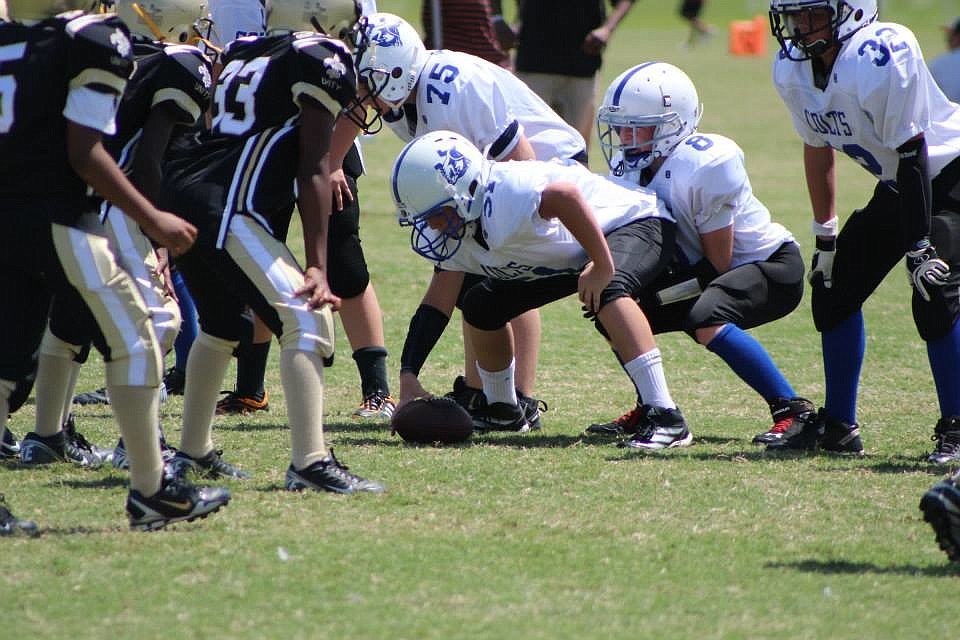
{"x":821,"y":269}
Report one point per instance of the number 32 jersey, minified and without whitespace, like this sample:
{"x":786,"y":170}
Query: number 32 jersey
{"x":248,"y":161}
{"x":879,"y":95}
{"x":71,"y":67}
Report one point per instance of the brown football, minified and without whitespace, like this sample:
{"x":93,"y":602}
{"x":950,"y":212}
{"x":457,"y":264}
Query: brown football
{"x":432,"y":420}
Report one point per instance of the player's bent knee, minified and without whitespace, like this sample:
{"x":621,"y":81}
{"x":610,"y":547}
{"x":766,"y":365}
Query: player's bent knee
{"x":55,"y":347}
{"x":310,"y":331}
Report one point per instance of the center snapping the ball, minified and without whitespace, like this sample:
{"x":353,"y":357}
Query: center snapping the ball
{"x":430,"y":420}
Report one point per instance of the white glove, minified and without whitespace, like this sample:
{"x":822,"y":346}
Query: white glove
{"x":926,"y":269}
{"x":821,"y":269}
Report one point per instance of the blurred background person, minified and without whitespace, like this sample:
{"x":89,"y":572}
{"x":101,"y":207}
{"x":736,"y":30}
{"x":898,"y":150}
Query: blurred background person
{"x":945,"y":68}
{"x":463,"y":25}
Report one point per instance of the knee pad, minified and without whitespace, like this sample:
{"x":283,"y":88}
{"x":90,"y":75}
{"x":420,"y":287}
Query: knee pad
{"x":55,"y":347}
{"x":478,"y":312}
{"x":945,"y":236}
{"x":312,"y":331}
{"x":347,"y":272}
{"x":220,"y":345}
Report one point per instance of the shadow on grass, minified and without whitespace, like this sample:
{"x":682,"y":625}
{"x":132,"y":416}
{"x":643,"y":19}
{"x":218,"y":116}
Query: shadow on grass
{"x":535,"y":440}
{"x":844,"y":567}
{"x":44,"y":532}
{"x":252,"y":426}
{"x":108,"y":482}
{"x":356,"y":426}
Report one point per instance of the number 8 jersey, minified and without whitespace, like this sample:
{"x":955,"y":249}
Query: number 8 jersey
{"x":252,"y":150}
{"x":879,"y":95}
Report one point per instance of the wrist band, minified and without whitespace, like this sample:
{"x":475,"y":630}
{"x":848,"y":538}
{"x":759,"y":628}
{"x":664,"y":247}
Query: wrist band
{"x":828,"y":228}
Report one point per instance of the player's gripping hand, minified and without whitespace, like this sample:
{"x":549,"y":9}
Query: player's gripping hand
{"x":316,"y":290}
{"x":592,"y":282}
{"x":926,"y":269}
{"x":821,"y":269}
{"x":171,"y":231}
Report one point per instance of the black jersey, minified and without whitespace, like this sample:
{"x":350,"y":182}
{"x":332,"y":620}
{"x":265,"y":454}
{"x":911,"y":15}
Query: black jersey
{"x":177,"y":74}
{"x":247,"y":162}
{"x":40,"y":65}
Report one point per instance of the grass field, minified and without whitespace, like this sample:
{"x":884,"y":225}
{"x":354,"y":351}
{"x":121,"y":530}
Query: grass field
{"x":546,"y":535}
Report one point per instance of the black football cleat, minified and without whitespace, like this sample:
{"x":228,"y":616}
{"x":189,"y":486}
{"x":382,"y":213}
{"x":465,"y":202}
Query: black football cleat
{"x":629,"y":423}
{"x":176,"y":501}
{"x":941,"y":508}
{"x":36,"y":450}
{"x":469,"y":398}
{"x":665,"y":429}
{"x":175,"y":380}
{"x":9,"y":447}
{"x":92,"y":397}
{"x":10,"y":525}
{"x":210,"y":466}
{"x":329,"y":474}
{"x":823,"y":433}
{"x":789,"y":416}
{"x":500,"y":416}
{"x":533,"y":408}
{"x":947,"y":436}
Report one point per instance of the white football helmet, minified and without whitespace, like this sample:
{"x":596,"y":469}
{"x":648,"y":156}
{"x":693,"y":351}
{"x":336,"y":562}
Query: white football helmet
{"x":653,"y":94}
{"x":335,"y":18}
{"x":175,"y":21}
{"x":438,"y":173}
{"x":392,"y":57}
{"x":35,"y":10}
{"x":848,"y":16}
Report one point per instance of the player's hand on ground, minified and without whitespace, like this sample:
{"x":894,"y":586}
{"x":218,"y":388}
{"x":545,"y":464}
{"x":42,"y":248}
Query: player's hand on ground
{"x":340,"y":189}
{"x":172,"y":232}
{"x":411,"y":389}
{"x":821,"y":268}
{"x":926,"y":269}
{"x":316,"y":291}
{"x":591,"y":284}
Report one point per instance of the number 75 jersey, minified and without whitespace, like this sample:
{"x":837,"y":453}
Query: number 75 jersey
{"x":879,"y":95}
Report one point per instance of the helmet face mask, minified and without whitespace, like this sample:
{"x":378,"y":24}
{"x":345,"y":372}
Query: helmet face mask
{"x":439,"y":174}
{"x":795,"y":23}
{"x":175,"y":21}
{"x":335,"y":18}
{"x":391,"y":58}
{"x":655,"y":96}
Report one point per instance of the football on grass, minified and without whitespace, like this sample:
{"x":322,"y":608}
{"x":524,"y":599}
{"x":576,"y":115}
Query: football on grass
{"x":430,"y":420}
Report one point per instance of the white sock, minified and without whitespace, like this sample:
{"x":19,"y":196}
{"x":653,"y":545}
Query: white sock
{"x":499,"y":386}
{"x":646,"y":372}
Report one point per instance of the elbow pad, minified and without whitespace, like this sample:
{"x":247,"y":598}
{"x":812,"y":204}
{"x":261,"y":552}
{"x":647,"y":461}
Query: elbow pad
{"x":913,"y":183}
{"x":426,"y":327}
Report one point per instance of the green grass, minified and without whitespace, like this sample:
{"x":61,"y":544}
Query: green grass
{"x":546,"y":535}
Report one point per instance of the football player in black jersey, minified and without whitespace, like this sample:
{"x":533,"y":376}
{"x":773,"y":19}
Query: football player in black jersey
{"x":275,"y":104}
{"x":61,"y":79}
{"x":170,"y":88}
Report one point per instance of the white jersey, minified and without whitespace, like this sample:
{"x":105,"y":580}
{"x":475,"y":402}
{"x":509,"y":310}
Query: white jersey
{"x":880,"y":94}
{"x":233,"y":19}
{"x":522,"y":245}
{"x":704,"y":184}
{"x":488,"y":106}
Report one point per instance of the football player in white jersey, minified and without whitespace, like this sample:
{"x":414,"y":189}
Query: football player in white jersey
{"x":861,"y":87}
{"x":421,"y":91}
{"x":537,"y":232}
{"x":743,"y":270}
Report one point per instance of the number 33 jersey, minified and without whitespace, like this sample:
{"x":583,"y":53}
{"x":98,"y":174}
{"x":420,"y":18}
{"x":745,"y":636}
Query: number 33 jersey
{"x":247,"y":162}
{"x":71,"y":67}
{"x":879,"y":95}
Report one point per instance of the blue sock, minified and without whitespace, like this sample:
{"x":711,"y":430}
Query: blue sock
{"x":843,"y":349}
{"x":748,"y":359}
{"x":944,"y":356}
{"x":188,"y":322}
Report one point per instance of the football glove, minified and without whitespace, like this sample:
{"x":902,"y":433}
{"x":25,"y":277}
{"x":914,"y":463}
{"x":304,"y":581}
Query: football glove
{"x":821,"y":269}
{"x":926,"y":269}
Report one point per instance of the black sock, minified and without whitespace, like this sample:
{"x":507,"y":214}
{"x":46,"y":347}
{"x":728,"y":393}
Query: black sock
{"x":372,"y":365}
{"x":252,"y":368}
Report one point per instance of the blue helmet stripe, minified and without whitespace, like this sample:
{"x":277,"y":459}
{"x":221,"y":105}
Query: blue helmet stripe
{"x":626,"y":79}
{"x":396,"y":169}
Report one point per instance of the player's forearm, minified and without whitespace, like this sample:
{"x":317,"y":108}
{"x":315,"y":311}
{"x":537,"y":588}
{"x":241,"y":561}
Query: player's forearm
{"x":314,"y":203}
{"x":564,"y":202}
{"x":819,"y":168}
{"x":344,"y":133}
{"x":90,"y":160}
